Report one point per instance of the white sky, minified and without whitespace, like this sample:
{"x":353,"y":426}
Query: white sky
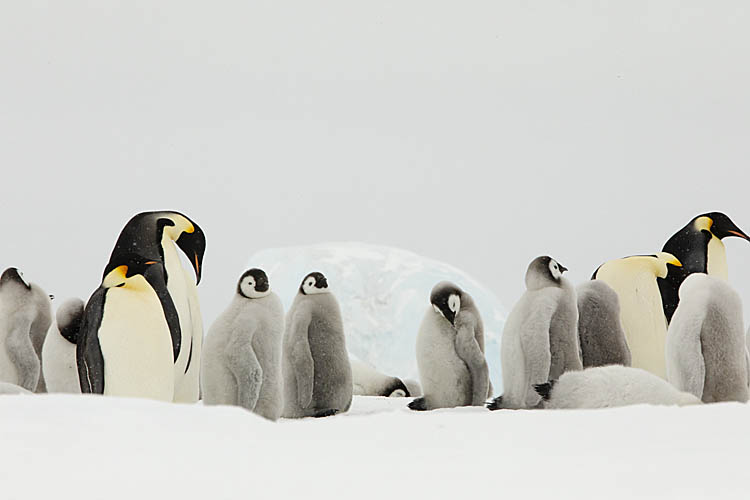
{"x":478,"y":133}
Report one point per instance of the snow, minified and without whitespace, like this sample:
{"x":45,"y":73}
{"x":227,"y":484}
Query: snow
{"x":69,"y":446}
{"x":383,"y":293}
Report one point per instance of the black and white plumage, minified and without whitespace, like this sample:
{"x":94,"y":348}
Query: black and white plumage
{"x":125,"y":345}
{"x":59,"y":352}
{"x":540,"y":338}
{"x":706,"y":350}
{"x":609,"y":387}
{"x":450,"y":352}
{"x":315,"y":363}
{"x":699,"y":248}
{"x":25,"y":317}
{"x":600,"y":331}
{"x":367,"y":381}
{"x":241,"y":362}
{"x":157,"y":236}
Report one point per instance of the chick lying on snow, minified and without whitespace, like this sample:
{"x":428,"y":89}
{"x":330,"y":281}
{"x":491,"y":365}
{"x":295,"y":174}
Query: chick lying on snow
{"x":608,"y":387}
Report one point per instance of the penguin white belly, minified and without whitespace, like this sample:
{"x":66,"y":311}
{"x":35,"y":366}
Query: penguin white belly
{"x":178,"y":290}
{"x":643,"y":320}
{"x":717,"y":259}
{"x":59,"y":364}
{"x":136,"y":346}
{"x":187,"y":387}
{"x":444,"y":376}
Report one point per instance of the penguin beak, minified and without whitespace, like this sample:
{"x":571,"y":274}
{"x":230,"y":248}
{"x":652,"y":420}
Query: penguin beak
{"x":197,"y":267}
{"x":740,"y":234}
{"x":675,"y":262}
{"x":562,"y":268}
{"x":194,"y":246}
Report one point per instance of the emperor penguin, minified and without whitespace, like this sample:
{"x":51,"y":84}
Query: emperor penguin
{"x":59,"y":352}
{"x":315,"y":363}
{"x":699,"y":247}
{"x":241,"y":363}
{"x":157,"y":236}
{"x":706,"y":351}
{"x":368,"y":381}
{"x":610,"y":387}
{"x":126,"y":344}
{"x":25,"y":316}
{"x":635,"y":279}
{"x":450,"y":352}
{"x":540,"y":338}
{"x":599,"y":327}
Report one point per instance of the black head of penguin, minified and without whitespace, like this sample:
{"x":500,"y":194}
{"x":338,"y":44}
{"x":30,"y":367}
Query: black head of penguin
{"x":143,"y":235}
{"x":119,"y":272}
{"x":314,"y":282}
{"x":13,"y":275}
{"x":544,"y":271}
{"x":259,"y":282}
{"x":446,"y":300}
{"x":396,"y":389}
{"x":723,"y":226}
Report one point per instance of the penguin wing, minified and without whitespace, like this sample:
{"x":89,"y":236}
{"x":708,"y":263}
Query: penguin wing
{"x":88,"y":351}
{"x":536,"y":349}
{"x":21,"y":352}
{"x":158,"y":281}
{"x":470,"y":352}
{"x":302,"y":359}
{"x":686,"y":368}
{"x":244,"y":364}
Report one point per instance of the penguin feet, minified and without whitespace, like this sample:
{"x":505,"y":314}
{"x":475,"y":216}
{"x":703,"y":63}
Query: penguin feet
{"x":325,"y":413}
{"x":418,"y":404}
{"x":544,"y":390}
{"x":495,"y":404}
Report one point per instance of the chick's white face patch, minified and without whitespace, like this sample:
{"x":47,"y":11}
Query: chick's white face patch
{"x":454,"y":303}
{"x":554,"y":269}
{"x":248,"y":289}
{"x":20,"y":275}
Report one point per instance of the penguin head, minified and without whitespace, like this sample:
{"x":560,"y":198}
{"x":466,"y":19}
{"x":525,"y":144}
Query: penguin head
{"x":189,"y":237}
{"x":665,"y":264}
{"x":544,"y":271}
{"x":719,"y":225}
{"x":14,"y":275}
{"x":253,"y":284}
{"x":128,"y":271}
{"x":446,"y":300}
{"x":314,"y":283}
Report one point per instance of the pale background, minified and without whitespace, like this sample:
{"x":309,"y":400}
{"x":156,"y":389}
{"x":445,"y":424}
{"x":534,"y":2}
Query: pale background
{"x":478,"y":133}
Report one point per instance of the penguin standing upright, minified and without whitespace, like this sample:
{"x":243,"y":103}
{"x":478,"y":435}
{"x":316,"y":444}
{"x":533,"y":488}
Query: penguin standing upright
{"x":635,"y":279}
{"x":127,"y":345}
{"x":315,"y":363}
{"x":540,"y":338}
{"x":450,"y":352}
{"x":25,"y":311}
{"x":241,"y":363}
{"x":699,"y":247}
{"x":599,"y":327}
{"x":706,"y":351}
{"x":156,"y":236}
{"x":59,"y":352}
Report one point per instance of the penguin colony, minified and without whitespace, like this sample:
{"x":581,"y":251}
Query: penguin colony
{"x":662,"y":328}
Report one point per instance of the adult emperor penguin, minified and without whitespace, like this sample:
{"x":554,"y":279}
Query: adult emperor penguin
{"x":706,"y":351}
{"x":599,"y":327}
{"x":540,"y":338}
{"x":367,"y":381}
{"x":450,"y":352}
{"x":156,"y":236}
{"x":59,"y":352}
{"x":126,"y":346}
{"x":315,"y":363}
{"x":25,"y":316}
{"x":241,"y":363}
{"x":635,"y":279}
{"x":699,"y":247}
{"x":609,"y":387}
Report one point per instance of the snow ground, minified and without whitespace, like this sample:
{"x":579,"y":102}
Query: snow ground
{"x":94,"y":447}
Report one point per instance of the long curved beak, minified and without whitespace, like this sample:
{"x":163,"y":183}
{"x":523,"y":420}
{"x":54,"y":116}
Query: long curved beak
{"x":739,"y":233}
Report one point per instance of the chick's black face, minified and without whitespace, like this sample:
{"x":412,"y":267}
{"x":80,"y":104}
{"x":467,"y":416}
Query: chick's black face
{"x":445,"y":298}
{"x":312,"y":281}
{"x":259,"y":280}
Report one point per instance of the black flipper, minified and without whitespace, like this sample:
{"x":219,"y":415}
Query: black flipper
{"x":156,"y":276}
{"x":418,"y":404}
{"x":545,"y":390}
{"x":88,"y":351}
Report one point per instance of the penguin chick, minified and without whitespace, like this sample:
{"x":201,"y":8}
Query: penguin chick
{"x":25,"y":316}
{"x":59,"y":352}
{"x":450,"y":352}
{"x":540,"y":338}
{"x":706,"y":352}
{"x":368,"y":381}
{"x":599,"y":328}
{"x":241,"y":362}
{"x":609,"y":387}
{"x":315,"y":363}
